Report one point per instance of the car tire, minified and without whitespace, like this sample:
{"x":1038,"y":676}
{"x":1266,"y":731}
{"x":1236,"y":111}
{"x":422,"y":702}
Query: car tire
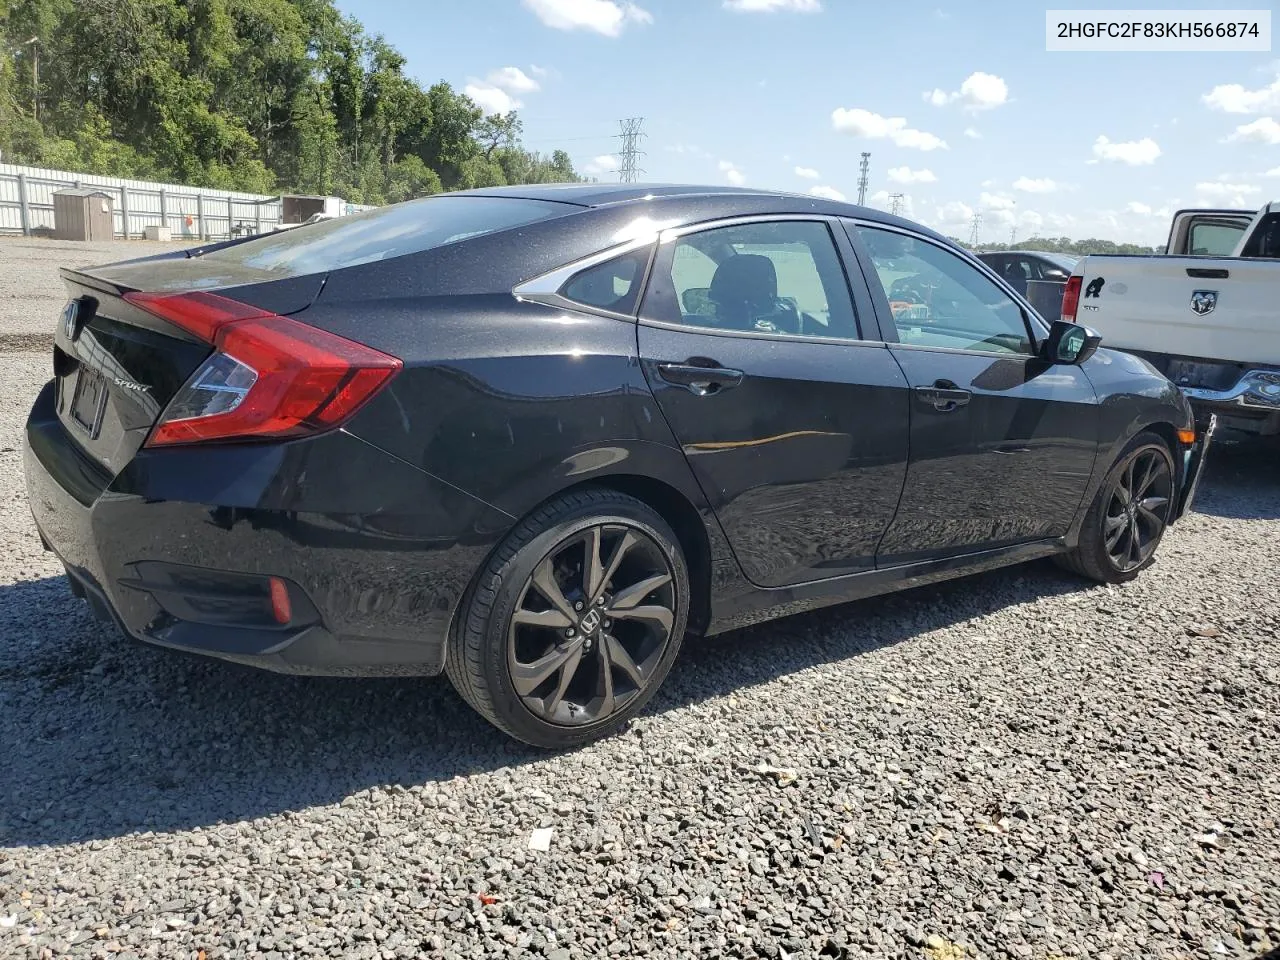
{"x":604,"y":668}
{"x":1110,"y":524}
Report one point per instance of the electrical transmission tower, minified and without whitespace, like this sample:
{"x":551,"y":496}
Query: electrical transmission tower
{"x":632,"y":134}
{"x":1013,"y":235}
{"x":863,"y":167}
{"x":896,"y":203}
{"x":974,"y":224}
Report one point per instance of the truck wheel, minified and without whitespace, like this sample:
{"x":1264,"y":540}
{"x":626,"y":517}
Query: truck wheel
{"x":1128,"y":516}
{"x":575,"y":621}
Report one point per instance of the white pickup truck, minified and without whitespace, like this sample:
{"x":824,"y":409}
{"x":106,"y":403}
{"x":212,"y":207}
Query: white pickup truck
{"x":1211,"y":324}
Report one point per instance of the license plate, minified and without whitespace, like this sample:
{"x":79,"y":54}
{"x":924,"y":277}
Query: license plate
{"x":89,"y":401}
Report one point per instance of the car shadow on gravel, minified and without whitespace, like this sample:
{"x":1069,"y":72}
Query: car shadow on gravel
{"x":107,"y":737}
{"x":1242,"y":480}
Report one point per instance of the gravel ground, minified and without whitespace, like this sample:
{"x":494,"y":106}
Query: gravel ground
{"x":31,"y":291}
{"x":1013,"y":765}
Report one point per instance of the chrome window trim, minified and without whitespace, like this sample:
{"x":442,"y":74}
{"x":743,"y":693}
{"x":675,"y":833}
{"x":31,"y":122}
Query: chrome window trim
{"x":545,"y":288}
{"x":1043,"y":325}
{"x":674,"y":233}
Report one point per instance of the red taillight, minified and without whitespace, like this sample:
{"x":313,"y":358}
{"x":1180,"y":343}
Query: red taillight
{"x":1071,"y":299}
{"x":268,"y":377}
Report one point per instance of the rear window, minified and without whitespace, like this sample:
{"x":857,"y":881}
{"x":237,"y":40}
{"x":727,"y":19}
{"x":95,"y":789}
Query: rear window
{"x":386,"y":232}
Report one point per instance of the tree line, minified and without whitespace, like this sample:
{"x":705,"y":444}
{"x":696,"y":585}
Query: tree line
{"x":1074,"y":248}
{"x":254,"y":95}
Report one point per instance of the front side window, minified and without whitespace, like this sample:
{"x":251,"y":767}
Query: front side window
{"x":776,"y":277}
{"x":939,"y":300}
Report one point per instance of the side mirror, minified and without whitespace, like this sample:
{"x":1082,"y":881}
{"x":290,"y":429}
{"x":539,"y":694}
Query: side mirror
{"x":1069,"y":343}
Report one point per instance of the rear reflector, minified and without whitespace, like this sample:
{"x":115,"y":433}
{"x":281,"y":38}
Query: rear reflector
{"x":281,"y":609}
{"x":1071,"y":298}
{"x":1187,"y":437}
{"x":268,"y":377}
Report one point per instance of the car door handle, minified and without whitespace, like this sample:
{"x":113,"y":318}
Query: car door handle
{"x":700,"y":379}
{"x":944,"y":396}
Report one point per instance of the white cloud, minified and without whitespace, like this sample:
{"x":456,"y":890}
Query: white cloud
{"x":1233,"y":98}
{"x":996,"y":201}
{"x":980,"y":91}
{"x":773,"y":6}
{"x":497,"y":92}
{"x":491,"y":99}
{"x":1033,"y":185}
{"x":1030,"y":220}
{"x":1142,"y":209}
{"x":954,"y":212}
{"x":731,"y":173}
{"x":512,"y":80}
{"x":808,"y":173}
{"x":907,"y":175}
{"x":828,"y":193}
{"x":972,"y":134}
{"x":1262,"y":130}
{"x":1221,"y":192}
{"x":607,"y":17}
{"x":538,"y":71}
{"x":1133,"y":152}
{"x":603,"y":164}
{"x":864,"y":123}
{"x":1273,"y":172}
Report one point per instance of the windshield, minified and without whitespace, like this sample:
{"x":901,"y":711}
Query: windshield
{"x":393,"y":231}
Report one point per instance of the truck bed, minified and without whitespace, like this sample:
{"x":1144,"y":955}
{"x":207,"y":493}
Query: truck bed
{"x":1211,"y":308}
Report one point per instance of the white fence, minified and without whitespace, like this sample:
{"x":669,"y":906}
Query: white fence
{"x":26,"y":205}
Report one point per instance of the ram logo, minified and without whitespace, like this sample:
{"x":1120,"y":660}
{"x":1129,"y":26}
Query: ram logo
{"x":135,"y":387}
{"x":1203,"y":301}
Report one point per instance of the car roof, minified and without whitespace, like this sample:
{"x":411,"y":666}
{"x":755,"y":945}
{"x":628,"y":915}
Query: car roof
{"x":600,"y":195}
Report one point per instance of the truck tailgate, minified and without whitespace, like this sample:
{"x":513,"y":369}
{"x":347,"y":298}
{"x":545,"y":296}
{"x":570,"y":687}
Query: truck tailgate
{"x":1219,"y":308}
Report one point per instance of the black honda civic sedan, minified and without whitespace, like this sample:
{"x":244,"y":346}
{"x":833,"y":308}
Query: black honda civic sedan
{"x":532,"y":437}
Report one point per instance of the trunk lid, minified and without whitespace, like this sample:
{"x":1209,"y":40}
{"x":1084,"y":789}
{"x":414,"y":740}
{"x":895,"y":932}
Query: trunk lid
{"x":116,"y":366}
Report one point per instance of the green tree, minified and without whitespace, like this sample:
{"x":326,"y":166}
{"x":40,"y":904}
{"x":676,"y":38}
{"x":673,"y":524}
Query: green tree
{"x":258,"y":95}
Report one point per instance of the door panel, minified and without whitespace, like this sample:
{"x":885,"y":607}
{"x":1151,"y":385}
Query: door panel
{"x":1002,"y":443}
{"x":803,"y":460}
{"x":799,"y":434}
{"x":1010,"y":465}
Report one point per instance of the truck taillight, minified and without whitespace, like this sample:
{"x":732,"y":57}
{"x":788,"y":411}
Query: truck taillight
{"x":1071,"y":299}
{"x":269,"y":376}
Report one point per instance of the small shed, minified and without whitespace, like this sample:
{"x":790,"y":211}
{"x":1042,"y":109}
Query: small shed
{"x":83,"y":213}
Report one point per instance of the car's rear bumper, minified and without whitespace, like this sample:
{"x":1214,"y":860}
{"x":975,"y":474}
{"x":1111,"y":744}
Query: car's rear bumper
{"x":180,"y":547}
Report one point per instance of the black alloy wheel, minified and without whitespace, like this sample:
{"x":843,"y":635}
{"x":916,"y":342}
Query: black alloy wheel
{"x":591,"y":624}
{"x":575,"y":620}
{"x":1129,"y":514}
{"x":1138,"y":510}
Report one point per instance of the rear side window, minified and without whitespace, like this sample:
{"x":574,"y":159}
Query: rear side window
{"x":613,"y":285}
{"x":394,"y":231}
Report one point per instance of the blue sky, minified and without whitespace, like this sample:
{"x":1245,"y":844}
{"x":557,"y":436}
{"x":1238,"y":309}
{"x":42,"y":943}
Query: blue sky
{"x":962,"y":111}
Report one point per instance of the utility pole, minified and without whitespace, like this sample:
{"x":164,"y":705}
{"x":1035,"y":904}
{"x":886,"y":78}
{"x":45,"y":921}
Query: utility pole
{"x":863,"y":167}
{"x":632,"y":134}
{"x":974,"y":224}
{"x":895,"y":203}
{"x":34,"y":44}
